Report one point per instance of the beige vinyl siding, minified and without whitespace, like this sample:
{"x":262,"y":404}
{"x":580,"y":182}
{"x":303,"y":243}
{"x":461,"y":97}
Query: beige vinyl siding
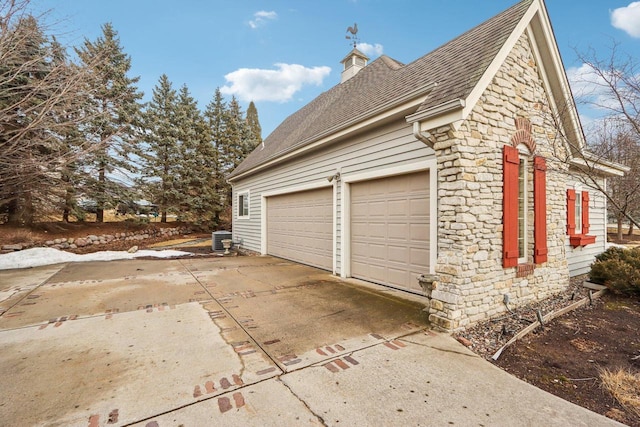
{"x":389,"y":145}
{"x":581,"y":258}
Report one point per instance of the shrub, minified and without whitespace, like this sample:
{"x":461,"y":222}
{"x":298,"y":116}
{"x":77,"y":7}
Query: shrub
{"x":619,"y":270}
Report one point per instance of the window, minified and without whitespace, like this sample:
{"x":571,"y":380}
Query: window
{"x":578,"y":218}
{"x":517,"y":228}
{"x":517,"y":233}
{"x":243,"y":205}
{"x":523,"y":197}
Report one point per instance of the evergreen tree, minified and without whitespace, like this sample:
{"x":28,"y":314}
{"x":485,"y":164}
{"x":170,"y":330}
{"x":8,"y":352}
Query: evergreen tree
{"x":198,"y":157}
{"x":215,"y":116}
{"x":39,"y":88}
{"x":162,"y":154}
{"x":67,"y":128}
{"x":242,"y":140}
{"x":115,"y":112}
{"x":254,"y":123}
{"x":23,"y":71}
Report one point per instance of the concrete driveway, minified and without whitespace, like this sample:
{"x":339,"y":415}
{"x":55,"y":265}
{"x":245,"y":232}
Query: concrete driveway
{"x":240,"y":341}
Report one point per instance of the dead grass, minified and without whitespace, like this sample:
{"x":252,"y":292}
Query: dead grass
{"x":624,"y":386}
{"x":18,"y":235}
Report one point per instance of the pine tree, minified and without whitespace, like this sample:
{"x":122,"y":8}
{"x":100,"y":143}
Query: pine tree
{"x":67,"y":128}
{"x":215,"y":116}
{"x":39,"y":88}
{"x":254,"y":123}
{"x":116,"y":113}
{"x":198,"y":157}
{"x":162,"y":154}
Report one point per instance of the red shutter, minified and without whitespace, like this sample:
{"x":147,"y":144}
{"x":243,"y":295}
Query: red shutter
{"x":510,"y":162}
{"x":571,"y":212}
{"x":540,"y":210}
{"x":585,"y":212}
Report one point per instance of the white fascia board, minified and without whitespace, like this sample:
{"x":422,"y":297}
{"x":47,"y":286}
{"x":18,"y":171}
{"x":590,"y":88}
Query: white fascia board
{"x":542,"y":31}
{"x":591,"y":162}
{"x":449,"y":107}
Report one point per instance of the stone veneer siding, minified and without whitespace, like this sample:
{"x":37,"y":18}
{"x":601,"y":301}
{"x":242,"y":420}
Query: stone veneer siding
{"x":472,"y":281}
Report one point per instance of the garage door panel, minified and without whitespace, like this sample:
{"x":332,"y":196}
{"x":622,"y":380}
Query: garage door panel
{"x":419,"y":232}
{"x":417,"y":255}
{"x":398,"y":231}
{"x":390,"y":229}
{"x":299,"y":227}
{"x":398,"y":254}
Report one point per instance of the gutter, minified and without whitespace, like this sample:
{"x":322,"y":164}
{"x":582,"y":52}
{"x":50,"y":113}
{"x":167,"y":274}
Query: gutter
{"x":425,"y":137}
{"x":592,"y":161}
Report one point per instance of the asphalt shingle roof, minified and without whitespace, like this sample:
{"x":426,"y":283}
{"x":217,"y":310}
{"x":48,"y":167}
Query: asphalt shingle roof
{"x":456,"y":67}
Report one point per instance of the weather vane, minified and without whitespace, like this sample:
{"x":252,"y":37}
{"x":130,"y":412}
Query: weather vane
{"x":354,"y":31}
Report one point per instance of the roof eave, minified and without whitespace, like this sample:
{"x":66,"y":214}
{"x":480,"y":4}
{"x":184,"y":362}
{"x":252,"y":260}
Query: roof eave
{"x":590,"y":163}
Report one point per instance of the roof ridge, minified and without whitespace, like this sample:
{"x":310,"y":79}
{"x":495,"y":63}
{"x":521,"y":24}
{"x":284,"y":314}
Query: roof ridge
{"x":390,"y":62}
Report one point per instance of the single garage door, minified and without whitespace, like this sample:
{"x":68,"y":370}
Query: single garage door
{"x":390,"y":230}
{"x":299,"y":227}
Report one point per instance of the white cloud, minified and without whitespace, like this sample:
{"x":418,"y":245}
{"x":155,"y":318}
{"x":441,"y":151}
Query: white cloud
{"x":585,"y":83}
{"x":627,"y":19}
{"x":594,"y":90}
{"x":371,"y":49}
{"x":261,"y":17}
{"x":590,"y":88}
{"x":252,"y":84}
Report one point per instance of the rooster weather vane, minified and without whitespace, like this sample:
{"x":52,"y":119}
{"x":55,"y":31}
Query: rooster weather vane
{"x":354,"y":31}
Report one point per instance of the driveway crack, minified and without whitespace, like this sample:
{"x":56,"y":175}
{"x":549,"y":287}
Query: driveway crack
{"x":240,"y":325}
{"x":306,"y":405}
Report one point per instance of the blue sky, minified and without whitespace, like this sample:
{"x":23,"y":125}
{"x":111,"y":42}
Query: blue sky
{"x":282,"y":54}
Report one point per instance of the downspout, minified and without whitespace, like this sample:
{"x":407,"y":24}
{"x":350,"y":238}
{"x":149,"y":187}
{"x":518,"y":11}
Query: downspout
{"x":425,"y":137}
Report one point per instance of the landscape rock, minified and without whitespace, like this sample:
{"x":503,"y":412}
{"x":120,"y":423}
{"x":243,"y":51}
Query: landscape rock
{"x":16,"y":247}
{"x":133,"y":249}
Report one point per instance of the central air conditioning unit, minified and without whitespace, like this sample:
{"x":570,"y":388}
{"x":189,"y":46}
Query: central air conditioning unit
{"x":216,"y":239}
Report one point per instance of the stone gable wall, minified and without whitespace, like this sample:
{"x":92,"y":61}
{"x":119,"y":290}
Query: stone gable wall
{"x":471,"y":280}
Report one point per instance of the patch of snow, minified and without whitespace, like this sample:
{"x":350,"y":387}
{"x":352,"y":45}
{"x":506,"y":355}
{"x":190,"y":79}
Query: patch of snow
{"x":616,"y":245}
{"x":36,"y":257}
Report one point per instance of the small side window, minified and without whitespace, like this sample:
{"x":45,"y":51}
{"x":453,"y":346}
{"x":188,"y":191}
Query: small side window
{"x":243,"y":205}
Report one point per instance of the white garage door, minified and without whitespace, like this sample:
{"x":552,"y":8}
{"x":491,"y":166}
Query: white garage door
{"x":299,"y":227}
{"x":390,"y":230}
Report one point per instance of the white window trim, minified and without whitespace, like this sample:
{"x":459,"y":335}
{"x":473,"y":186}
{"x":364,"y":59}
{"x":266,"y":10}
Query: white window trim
{"x":578,"y":209}
{"x":247,"y":194}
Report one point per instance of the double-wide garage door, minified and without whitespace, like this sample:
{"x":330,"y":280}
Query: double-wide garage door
{"x":390,"y":230}
{"x":300,"y":227}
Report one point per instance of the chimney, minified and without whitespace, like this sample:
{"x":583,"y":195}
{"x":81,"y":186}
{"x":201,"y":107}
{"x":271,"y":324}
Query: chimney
{"x":353,"y":62}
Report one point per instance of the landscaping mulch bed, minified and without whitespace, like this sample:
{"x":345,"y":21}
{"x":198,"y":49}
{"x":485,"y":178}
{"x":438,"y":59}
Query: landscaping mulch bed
{"x":568,"y":356}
